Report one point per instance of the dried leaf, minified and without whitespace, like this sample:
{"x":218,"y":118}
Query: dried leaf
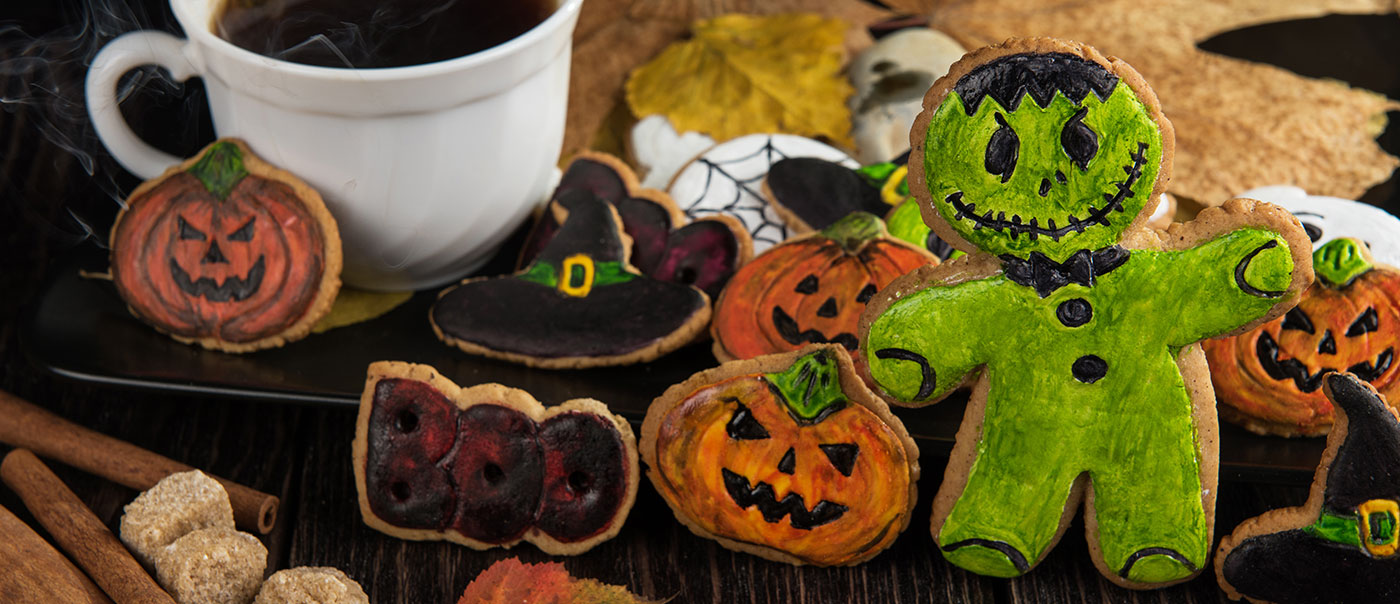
{"x":512,"y":581}
{"x":1239,"y":125}
{"x":357,"y":306}
{"x":740,"y":74}
{"x":613,"y":37}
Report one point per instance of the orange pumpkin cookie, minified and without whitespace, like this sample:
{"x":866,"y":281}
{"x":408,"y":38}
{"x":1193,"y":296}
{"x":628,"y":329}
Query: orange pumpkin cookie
{"x":787,"y":456}
{"x":810,"y":290}
{"x":227,"y":252}
{"x":1269,"y":379}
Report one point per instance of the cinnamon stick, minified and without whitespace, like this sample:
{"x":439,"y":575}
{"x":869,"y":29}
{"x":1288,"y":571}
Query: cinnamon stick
{"x":78,"y":531}
{"x":25,"y":425}
{"x":33,"y":572}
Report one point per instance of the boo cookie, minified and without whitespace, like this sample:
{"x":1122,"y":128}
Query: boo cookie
{"x":1042,"y":160}
{"x":489,"y":466}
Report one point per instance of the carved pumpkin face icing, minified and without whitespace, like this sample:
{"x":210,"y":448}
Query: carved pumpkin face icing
{"x":227,"y":251}
{"x":810,"y":290}
{"x":1270,"y":378}
{"x":800,"y":465}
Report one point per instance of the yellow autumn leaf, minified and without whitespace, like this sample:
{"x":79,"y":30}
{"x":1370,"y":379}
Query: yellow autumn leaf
{"x":742,"y":74}
{"x":357,"y":306}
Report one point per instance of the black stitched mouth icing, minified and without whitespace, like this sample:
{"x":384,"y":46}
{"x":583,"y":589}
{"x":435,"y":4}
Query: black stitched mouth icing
{"x":1014,"y":226}
{"x":788,"y":328}
{"x":233,"y":288}
{"x":761,"y":495}
{"x":1292,"y":369}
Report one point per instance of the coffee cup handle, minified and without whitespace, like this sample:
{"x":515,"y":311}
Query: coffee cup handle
{"x":119,"y":56}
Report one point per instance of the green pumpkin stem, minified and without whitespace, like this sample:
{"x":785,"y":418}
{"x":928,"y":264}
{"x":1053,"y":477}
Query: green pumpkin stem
{"x":810,"y":387}
{"x":220,"y":168}
{"x":855,"y":230}
{"x":1340,"y":261}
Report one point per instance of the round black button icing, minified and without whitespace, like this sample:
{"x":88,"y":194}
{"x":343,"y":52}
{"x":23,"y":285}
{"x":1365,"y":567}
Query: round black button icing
{"x":1089,"y":368}
{"x":1074,"y":312}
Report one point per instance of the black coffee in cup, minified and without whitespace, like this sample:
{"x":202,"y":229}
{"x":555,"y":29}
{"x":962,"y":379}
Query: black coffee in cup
{"x":375,"y":33}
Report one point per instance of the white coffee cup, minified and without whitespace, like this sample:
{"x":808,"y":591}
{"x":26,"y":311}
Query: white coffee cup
{"x":427,"y":168}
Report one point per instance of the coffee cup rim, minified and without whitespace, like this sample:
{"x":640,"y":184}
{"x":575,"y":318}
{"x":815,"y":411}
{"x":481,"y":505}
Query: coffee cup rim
{"x":563,"y":14}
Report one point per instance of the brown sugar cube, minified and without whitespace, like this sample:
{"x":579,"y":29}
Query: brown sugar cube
{"x":311,"y":585}
{"x":178,"y":504}
{"x":212,"y":566}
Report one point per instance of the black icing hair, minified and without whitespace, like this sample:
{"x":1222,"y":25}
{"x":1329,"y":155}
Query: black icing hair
{"x":1012,"y":77}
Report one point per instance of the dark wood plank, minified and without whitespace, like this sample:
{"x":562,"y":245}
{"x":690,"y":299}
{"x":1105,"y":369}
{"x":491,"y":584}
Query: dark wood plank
{"x":654,"y":555}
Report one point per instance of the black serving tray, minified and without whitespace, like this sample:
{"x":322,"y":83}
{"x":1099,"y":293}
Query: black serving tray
{"x":79,"y":328}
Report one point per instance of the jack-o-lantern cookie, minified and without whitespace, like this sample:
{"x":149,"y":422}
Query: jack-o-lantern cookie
{"x":1343,"y":545}
{"x":1076,"y":324}
{"x":787,"y":456}
{"x":227,"y":252}
{"x":810,"y":290}
{"x":578,"y":304}
{"x":1269,"y":379}
{"x":704,"y":253}
{"x":489,"y":466}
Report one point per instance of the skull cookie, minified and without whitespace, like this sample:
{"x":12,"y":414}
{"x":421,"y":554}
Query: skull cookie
{"x":1077,"y":325}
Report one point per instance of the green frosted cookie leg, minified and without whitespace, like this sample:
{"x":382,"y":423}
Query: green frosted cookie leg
{"x":1162,"y":474}
{"x":991,"y":534}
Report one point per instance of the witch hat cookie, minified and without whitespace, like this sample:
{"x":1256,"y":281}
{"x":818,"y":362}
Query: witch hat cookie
{"x":578,"y":304}
{"x":1341,"y":545}
{"x":665,"y":244}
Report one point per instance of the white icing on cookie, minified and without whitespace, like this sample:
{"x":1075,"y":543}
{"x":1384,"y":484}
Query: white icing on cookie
{"x":1327,"y":218}
{"x":728,"y":179}
{"x":890,"y":79}
{"x":1162,"y":217}
{"x":661,"y":152}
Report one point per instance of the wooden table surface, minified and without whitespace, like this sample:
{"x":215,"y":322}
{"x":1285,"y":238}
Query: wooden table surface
{"x":302,"y":452}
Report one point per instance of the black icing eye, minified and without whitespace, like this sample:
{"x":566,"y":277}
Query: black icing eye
{"x":866,"y":293}
{"x":1314,"y":232}
{"x":244,"y":233}
{"x":1080,"y":143}
{"x":1002,"y":150}
{"x":743,"y":426}
{"x":808,"y":285}
{"x":187,"y":231}
{"x":1297,"y":319}
{"x":1366,"y":323}
{"x":842,"y":457}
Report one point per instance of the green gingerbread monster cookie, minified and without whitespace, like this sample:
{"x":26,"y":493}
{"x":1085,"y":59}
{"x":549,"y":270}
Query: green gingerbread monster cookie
{"x":1076,"y":325}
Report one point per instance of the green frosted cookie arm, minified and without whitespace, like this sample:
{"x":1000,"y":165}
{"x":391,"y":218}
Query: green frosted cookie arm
{"x":911,"y":350}
{"x":1225,"y":283}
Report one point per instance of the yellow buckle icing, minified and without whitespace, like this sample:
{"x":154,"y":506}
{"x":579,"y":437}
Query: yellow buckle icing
{"x":567,"y":281}
{"x":889,"y":193}
{"x":1385,"y":542}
